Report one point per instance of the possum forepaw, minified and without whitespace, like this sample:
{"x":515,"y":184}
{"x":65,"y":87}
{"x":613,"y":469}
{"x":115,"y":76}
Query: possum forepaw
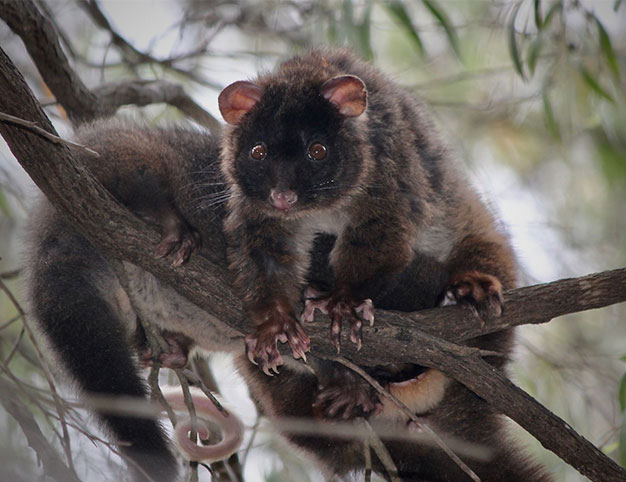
{"x":480,"y":291}
{"x":339,"y":306}
{"x":262,"y":345}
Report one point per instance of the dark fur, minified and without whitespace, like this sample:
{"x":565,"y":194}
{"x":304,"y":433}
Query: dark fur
{"x":73,"y":291}
{"x":413,"y":226}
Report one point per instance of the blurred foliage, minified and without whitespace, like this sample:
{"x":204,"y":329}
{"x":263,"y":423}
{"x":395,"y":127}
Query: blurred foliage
{"x":530,"y":93}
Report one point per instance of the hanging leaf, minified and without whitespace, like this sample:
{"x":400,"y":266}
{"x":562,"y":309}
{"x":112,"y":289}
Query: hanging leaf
{"x":548,"y":113}
{"x":594,"y":85}
{"x":513,"y":49}
{"x":364,"y":33}
{"x":533,"y":53}
{"x":441,"y":16}
{"x":555,"y":7}
{"x":4,"y":205}
{"x":622,"y":441}
{"x":538,"y":17}
{"x":621,"y":394}
{"x":399,"y":13}
{"x":607,"y":47}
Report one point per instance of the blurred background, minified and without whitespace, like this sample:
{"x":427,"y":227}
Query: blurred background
{"x":530,"y":94}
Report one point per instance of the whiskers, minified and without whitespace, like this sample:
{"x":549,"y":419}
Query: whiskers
{"x":349,"y":191}
{"x":213,"y":199}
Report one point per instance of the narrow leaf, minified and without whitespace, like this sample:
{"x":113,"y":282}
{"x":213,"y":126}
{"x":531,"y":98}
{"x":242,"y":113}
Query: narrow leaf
{"x":616,"y":5}
{"x":607,"y":47}
{"x":443,"y":19}
{"x":364,"y":34}
{"x":621,"y":394}
{"x":555,"y":7}
{"x":538,"y":17}
{"x":622,"y":441}
{"x":549,"y":116}
{"x":398,"y":11}
{"x":594,"y":85}
{"x":513,"y":49}
{"x":533,"y":53}
{"x":4,"y":205}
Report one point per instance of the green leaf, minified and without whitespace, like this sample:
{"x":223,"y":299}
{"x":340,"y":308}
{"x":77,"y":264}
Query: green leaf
{"x":594,"y":85}
{"x":4,"y":205}
{"x":553,"y":126}
{"x":538,"y":17}
{"x":622,"y":441}
{"x":621,"y":393}
{"x":398,"y":11}
{"x":447,"y":26}
{"x":364,"y":34}
{"x":555,"y":7}
{"x":513,"y":49}
{"x":533,"y":53}
{"x":616,"y":5}
{"x":607,"y":47}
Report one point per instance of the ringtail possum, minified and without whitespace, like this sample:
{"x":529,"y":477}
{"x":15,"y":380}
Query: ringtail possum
{"x":337,"y":188}
{"x":342,"y":190}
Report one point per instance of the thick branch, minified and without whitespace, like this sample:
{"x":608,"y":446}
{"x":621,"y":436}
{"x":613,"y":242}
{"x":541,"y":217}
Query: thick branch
{"x":119,"y":234}
{"x":145,"y":92}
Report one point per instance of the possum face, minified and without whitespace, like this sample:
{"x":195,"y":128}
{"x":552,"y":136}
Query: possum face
{"x":294,"y":148}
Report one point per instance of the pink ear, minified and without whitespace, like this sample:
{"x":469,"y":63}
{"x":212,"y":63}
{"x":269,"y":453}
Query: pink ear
{"x":348,"y":93}
{"x":238,"y":99}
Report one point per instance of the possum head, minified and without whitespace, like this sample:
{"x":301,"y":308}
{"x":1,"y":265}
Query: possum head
{"x":295,"y":146}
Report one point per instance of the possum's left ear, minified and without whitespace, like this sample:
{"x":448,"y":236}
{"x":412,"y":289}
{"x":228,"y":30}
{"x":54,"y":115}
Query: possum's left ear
{"x":347,"y":93}
{"x":238,"y":99}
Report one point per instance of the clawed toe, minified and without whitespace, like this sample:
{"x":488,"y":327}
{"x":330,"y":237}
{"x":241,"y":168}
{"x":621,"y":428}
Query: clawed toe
{"x":339,"y":306}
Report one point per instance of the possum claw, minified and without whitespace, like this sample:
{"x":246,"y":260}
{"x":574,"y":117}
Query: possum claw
{"x":278,"y":327}
{"x":481,"y":292}
{"x":339,"y":305}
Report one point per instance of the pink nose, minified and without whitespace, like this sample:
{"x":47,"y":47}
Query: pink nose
{"x":283,"y":200}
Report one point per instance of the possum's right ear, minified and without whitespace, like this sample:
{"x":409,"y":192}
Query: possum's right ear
{"x":238,"y":99}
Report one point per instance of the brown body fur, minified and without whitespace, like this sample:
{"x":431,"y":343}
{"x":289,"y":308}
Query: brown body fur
{"x":406,"y":231}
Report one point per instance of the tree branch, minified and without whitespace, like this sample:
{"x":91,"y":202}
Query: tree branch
{"x":82,"y":104}
{"x":119,"y":234}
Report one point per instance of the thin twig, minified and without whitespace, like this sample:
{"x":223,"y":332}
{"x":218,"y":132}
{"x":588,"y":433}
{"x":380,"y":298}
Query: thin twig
{"x":32,"y":126}
{"x":407,"y":411}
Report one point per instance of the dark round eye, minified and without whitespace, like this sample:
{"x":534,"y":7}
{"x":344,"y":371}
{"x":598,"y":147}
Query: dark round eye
{"x":258,"y":152}
{"x":317,"y":151}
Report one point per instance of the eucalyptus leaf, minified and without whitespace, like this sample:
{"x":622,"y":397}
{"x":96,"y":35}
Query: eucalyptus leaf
{"x":538,"y":17}
{"x":513,"y":48}
{"x":607,"y":47}
{"x":594,"y":84}
{"x":533,"y":53}
{"x":443,"y":19}
{"x":549,"y":116}
{"x":622,"y":441}
{"x":398,"y":11}
{"x":621,"y":394}
{"x":555,"y":7}
{"x":364,"y":34}
{"x":4,"y":205}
